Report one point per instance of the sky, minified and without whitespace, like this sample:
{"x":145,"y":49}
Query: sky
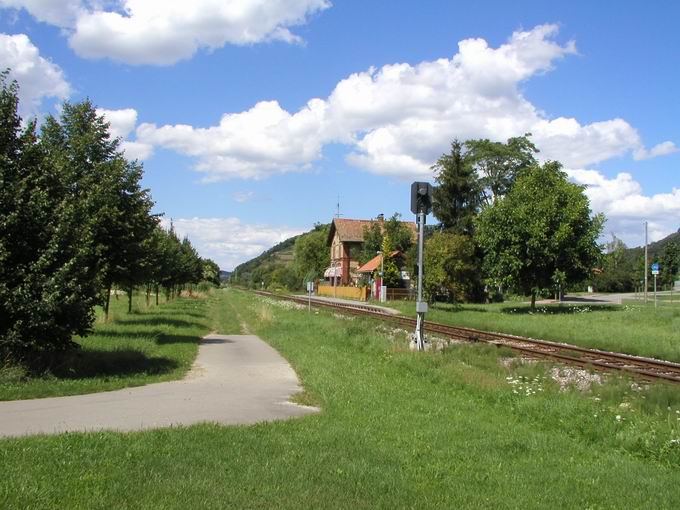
{"x":255,"y":118}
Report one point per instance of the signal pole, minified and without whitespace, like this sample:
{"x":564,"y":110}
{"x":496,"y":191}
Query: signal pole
{"x":646,"y":262}
{"x":421,"y":204}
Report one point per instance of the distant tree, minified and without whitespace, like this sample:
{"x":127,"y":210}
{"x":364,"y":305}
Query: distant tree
{"x":617,"y":269}
{"x":670,"y":263}
{"x":540,"y":232}
{"x":451,"y":267}
{"x":498,"y":164}
{"x":373,"y":237}
{"x":392,"y":275}
{"x":210,"y":272}
{"x":457,"y":195}
{"x":311,"y":255}
{"x":401,"y":237}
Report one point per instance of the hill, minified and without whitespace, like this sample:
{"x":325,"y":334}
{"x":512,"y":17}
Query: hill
{"x":277,"y":267}
{"x":280,"y":254}
{"x":656,"y":248}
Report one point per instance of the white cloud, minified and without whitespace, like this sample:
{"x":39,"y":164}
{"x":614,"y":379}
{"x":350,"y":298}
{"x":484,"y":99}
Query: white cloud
{"x":61,"y":13}
{"x":38,"y":78}
{"x":136,"y":150}
{"x":399,"y":119}
{"x":661,"y":149}
{"x":228,"y":241}
{"x":162,"y":32}
{"x":625,"y":205}
{"x":243,"y":196}
{"x":121,"y":123}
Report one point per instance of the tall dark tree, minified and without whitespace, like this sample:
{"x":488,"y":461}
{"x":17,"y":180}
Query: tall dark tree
{"x":457,"y":196}
{"x":48,"y":282}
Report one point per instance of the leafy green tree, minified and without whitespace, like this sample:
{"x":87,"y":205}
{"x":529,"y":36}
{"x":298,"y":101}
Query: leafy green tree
{"x":401,"y":237}
{"x":541,"y":230}
{"x":311,"y":255}
{"x":48,"y":282}
{"x":391,"y":273}
{"x":451,"y":268}
{"x":617,"y":269}
{"x":498,"y":164}
{"x":211,"y":272}
{"x":457,"y":195}
{"x":670,"y":263}
{"x":373,"y":237}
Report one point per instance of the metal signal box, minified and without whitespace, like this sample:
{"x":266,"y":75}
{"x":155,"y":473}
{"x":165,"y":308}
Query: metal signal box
{"x":421,"y":197}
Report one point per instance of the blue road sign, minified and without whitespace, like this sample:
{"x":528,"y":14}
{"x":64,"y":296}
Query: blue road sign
{"x":655,"y":266}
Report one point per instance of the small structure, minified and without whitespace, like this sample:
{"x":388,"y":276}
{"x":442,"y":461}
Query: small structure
{"x":375,"y":265}
{"x":346,"y":239}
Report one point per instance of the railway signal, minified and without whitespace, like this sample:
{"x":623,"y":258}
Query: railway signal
{"x":421,"y":205}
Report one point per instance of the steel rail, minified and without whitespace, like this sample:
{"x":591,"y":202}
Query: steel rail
{"x":647,"y":368}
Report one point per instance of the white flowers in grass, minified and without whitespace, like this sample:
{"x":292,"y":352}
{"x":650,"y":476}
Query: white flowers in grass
{"x":525,"y":386}
{"x":279,"y":303}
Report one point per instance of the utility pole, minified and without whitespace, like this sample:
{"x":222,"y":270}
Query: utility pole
{"x":646,"y":262}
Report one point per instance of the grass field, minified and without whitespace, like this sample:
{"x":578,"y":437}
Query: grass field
{"x":150,"y":345}
{"x":397,"y":430}
{"x":631,"y":328}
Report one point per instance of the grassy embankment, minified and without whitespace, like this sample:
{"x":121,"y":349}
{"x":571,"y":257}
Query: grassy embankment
{"x":398,"y":430}
{"x":150,"y":345}
{"x":631,"y":328}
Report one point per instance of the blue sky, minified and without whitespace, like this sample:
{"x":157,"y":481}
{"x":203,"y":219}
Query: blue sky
{"x":253,"y":117}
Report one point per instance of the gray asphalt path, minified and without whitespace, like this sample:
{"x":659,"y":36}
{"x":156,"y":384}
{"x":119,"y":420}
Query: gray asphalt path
{"x":236,"y":379}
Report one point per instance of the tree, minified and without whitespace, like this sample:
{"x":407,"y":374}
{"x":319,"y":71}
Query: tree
{"x":618,"y":271}
{"x":451,"y":268}
{"x":498,"y":164}
{"x":311,"y":254}
{"x":373,"y":238}
{"x":48,"y":282}
{"x":210,"y":272}
{"x":540,"y":232}
{"x":457,"y":196}
{"x":391,"y":274}
{"x":670,"y":263}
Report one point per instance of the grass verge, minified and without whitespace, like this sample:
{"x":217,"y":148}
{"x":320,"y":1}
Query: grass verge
{"x":150,"y":345}
{"x":397,"y":430}
{"x":634,"y":329}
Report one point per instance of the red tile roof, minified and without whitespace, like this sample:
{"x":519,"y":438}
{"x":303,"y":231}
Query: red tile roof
{"x":353,"y":230}
{"x":374,"y":263}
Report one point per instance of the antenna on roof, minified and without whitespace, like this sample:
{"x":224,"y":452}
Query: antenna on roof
{"x":337,"y":214}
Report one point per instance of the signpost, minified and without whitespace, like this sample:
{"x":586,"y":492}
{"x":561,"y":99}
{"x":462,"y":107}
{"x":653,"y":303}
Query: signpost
{"x":310,"y":289}
{"x":655,"y":272}
{"x":421,"y":205}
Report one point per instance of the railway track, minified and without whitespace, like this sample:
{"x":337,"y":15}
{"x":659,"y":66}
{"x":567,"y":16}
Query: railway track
{"x":646,"y":368}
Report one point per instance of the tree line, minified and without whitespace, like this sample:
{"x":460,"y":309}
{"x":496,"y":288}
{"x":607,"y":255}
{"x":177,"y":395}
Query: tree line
{"x":75,"y":222}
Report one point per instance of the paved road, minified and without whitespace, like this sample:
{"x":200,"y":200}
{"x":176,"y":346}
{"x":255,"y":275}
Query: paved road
{"x":605,"y":299}
{"x":236,"y":379}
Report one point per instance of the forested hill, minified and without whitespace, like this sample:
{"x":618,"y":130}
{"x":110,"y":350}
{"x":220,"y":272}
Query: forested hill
{"x":280,"y":253}
{"x":656,"y":248}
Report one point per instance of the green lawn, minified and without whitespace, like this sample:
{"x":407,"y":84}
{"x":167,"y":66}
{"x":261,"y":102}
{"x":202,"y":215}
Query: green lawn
{"x":397,"y":430}
{"x":150,"y":345}
{"x":631,"y":328}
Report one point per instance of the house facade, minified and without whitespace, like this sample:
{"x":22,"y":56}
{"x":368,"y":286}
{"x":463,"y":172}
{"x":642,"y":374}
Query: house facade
{"x":345,"y":240}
